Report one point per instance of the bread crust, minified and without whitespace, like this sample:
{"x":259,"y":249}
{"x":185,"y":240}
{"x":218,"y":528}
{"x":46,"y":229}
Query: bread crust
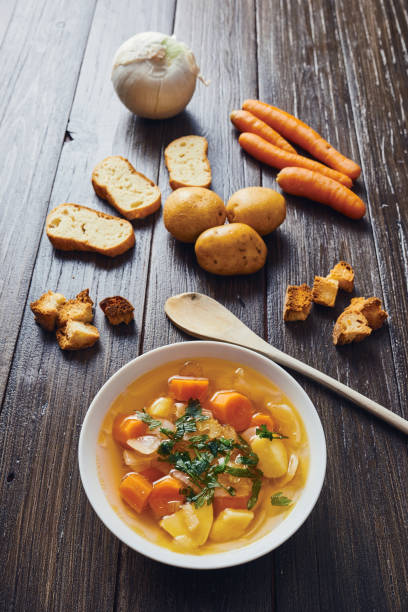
{"x":344,"y":274}
{"x":176,"y":183}
{"x":371,"y":308}
{"x":117,"y":309}
{"x":76,"y":335}
{"x":71,"y":244}
{"x":102,"y":191}
{"x":46,"y":309}
{"x":298,"y":302}
{"x":350,"y":327}
{"x":77,"y":309}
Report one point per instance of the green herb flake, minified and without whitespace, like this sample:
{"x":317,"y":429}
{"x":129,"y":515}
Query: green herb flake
{"x":263,"y":432}
{"x":278,"y":499}
{"x":146,"y":418}
{"x":256,"y":487}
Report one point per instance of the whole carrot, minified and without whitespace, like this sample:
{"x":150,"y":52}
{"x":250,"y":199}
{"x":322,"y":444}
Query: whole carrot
{"x":315,"y":186}
{"x":303,"y":135}
{"x":247,"y":122}
{"x":273,"y":156}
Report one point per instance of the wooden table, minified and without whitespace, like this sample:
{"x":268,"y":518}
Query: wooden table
{"x":342,"y":67}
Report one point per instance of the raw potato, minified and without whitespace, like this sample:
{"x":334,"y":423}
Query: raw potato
{"x":189,"y":211}
{"x":230,"y":524}
{"x":231,"y":249}
{"x":260,"y":207}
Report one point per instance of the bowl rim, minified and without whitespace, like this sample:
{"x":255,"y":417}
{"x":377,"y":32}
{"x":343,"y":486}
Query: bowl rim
{"x":172,"y":352}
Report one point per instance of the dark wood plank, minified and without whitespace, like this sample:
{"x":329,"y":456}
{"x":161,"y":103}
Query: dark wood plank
{"x":304,"y":72}
{"x":173,"y":269}
{"x":56,"y":554}
{"x":36,"y":93}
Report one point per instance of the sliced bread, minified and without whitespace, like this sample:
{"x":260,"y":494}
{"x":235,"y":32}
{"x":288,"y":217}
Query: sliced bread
{"x":71,"y":227}
{"x":187,"y":162}
{"x":131,"y":193}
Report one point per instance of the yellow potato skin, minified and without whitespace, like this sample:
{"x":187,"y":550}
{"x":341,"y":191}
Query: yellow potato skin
{"x":231,"y":249}
{"x":189,"y":211}
{"x":260,"y":207}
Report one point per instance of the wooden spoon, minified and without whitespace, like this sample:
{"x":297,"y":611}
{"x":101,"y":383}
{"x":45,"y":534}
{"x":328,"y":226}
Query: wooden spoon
{"x":203,"y":317}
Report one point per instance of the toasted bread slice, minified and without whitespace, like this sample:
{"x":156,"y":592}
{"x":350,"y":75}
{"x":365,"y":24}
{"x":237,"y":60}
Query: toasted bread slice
{"x":325,"y":291}
{"x":76,"y":335}
{"x":71,"y":227}
{"x":344,"y":274}
{"x":117,"y":309}
{"x":187,"y":162}
{"x":298,"y":302}
{"x":371,"y":308}
{"x":130,"y":192}
{"x":350,"y":327}
{"x":46,"y":309}
{"x":78,"y":309}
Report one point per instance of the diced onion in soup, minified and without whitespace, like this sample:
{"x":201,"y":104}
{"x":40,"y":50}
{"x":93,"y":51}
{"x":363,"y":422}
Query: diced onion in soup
{"x":146,"y":445}
{"x":248,"y":434}
{"x":183,"y":478}
{"x":166,"y":424}
{"x":135,"y":461}
{"x":292,"y":469}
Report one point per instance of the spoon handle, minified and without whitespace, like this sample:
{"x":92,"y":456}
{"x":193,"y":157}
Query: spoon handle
{"x":333,"y":384}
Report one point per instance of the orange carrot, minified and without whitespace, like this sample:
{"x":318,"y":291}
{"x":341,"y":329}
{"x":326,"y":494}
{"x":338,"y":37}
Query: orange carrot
{"x":184,"y":388}
{"x":151,"y":474}
{"x":277,"y":158}
{"x":303,"y":135}
{"x":232,"y":408}
{"x":260,"y":418}
{"x":247,"y":122}
{"x":165,"y":497}
{"x":239,"y":502}
{"x":314,"y":186}
{"x":135,"y":490}
{"x":127,"y":426}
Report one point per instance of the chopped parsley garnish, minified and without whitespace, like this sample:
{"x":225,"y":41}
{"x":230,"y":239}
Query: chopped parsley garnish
{"x":203,"y":459}
{"x":278,"y":499}
{"x":146,"y":418}
{"x":263,"y":432}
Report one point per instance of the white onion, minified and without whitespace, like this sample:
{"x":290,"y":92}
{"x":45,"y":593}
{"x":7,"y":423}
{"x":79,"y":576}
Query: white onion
{"x":146,"y":445}
{"x":154,"y":75}
{"x":248,"y":434}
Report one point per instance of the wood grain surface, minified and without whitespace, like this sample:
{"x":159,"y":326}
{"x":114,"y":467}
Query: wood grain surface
{"x":340,"y":66}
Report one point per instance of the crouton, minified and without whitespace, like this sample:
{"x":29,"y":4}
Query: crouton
{"x":350,"y":327}
{"x":78,"y":309}
{"x":298,"y":302}
{"x":117,"y":309}
{"x":76,"y":335}
{"x":344,"y":274}
{"x":324,"y":291}
{"x":45,"y":309}
{"x":371,"y":308}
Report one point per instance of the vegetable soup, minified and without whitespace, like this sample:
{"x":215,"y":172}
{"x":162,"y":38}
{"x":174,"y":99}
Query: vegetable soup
{"x":202,"y":456}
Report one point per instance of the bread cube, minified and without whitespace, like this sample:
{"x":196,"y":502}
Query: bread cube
{"x":350,"y":327}
{"x":117,"y":309}
{"x":76,"y":335}
{"x":325,"y":291}
{"x":273,"y":457}
{"x":344,"y":274}
{"x":371,"y":309}
{"x":45,"y":309}
{"x":78,"y":309}
{"x":298,"y":302}
{"x":230,"y":524}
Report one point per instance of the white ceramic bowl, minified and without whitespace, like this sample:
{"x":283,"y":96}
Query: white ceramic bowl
{"x":187,"y":350}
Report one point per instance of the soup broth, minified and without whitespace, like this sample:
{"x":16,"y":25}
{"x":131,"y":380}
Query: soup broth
{"x":279,"y":426}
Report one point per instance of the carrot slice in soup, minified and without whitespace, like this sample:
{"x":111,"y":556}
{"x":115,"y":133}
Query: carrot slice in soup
{"x":260,"y":418}
{"x":184,"y":388}
{"x":232,"y":408}
{"x":127,"y":426}
{"x":151,"y":474}
{"x":135,"y":490}
{"x":165,"y":497}
{"x":239,"y":502}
